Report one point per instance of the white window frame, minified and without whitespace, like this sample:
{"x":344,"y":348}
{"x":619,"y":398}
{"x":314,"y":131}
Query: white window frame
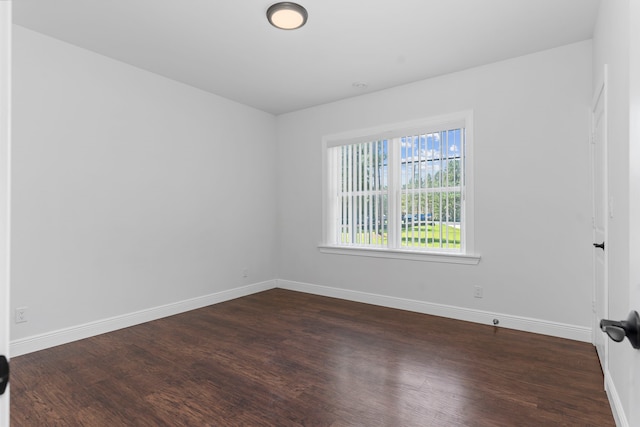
{"x":421,"y":126}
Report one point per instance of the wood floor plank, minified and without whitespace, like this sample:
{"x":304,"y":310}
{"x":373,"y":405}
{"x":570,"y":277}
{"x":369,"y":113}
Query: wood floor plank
{"x":283,"y":358}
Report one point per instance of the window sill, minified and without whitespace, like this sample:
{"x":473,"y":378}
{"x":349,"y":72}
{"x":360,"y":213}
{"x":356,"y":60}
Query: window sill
{"x":401,"y":254}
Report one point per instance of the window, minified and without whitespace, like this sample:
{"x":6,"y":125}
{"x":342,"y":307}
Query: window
{"x":402,"y":190}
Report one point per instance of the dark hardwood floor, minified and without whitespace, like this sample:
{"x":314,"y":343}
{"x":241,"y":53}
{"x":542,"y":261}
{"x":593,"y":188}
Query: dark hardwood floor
{"x":282,"y":358}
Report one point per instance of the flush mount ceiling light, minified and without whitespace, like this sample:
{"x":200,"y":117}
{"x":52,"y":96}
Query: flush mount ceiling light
{"x":287,"y":15}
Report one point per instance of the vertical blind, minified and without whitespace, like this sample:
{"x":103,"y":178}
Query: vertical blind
{"x":362,"y":193}
{"x":432,"y":190}
{"x":405,"y":192}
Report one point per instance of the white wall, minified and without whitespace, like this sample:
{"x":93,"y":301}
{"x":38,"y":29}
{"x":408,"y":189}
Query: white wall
{"x":533,"y":209}
{"x":612,"y":46}
{"x":130,"y":190}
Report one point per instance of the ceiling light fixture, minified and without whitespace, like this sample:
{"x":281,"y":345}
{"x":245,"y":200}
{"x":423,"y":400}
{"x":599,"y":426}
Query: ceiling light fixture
{"x":286,"y":15}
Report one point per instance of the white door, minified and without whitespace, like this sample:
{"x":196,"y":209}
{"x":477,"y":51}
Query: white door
{"x":634,"y":141}
{"x":5,"y":142}
{"x":599,"y":176}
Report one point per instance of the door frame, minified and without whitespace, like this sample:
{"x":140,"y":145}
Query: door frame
{"x":601,"y":92}
{"x":5,"y":188}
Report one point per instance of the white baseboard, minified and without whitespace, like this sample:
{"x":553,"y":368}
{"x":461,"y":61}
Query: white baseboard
{"x":544,"y":327}
{"x":614,"y":401}
{"x":74,"y":333}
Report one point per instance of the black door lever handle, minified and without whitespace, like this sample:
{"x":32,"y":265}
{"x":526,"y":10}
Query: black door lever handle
{"x":599,"y":245}
{"x":629,"y":328}
{"x":4,"y":374}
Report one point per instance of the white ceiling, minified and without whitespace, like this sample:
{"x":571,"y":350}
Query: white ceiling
{"x":227,"y":47}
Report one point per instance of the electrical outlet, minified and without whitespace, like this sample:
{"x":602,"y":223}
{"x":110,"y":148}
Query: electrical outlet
{"x":245,"y":272}
{"x":21,"y":314}
{"x":477,"y":291}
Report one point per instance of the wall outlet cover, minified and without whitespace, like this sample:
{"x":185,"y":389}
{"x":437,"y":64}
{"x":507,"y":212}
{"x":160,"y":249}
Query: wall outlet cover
{"x":477,"y":292}
{"x":21,"y":314}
